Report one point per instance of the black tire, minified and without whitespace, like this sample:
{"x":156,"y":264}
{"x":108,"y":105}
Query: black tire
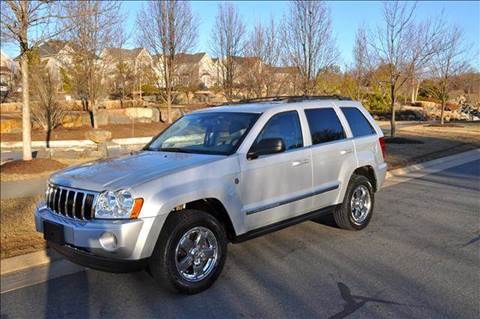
{"x":162,"y":264}
{"x":343,"y":214}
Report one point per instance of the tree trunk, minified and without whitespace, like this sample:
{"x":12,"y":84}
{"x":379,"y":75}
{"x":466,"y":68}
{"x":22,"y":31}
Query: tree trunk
{"x":414,"y":97}
{"x":26,"y":124}
{"x":169,"y":104}
{"x":94,"y":114}
{"x":392,"y":106}
{"x":417,"y":87}
{"x":442,"y":112}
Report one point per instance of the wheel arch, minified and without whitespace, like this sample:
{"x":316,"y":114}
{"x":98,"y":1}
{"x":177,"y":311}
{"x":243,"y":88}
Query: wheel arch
{"x":214,"y":207}
{"x":369,"y":173}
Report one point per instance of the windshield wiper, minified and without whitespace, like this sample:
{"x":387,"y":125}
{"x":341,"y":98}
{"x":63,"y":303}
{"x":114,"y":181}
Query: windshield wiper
{"x":174,"y":149}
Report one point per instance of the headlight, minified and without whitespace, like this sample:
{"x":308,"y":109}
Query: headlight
{"x":119,"y":204}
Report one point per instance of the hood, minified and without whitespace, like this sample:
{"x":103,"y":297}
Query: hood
{"x":127,"y":171}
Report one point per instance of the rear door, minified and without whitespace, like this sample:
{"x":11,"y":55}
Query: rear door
{"x":333,"y":156}
{"x":275,"y":187}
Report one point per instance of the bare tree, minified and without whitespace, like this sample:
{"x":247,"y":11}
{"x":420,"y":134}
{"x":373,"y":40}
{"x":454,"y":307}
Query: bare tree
{"x":446,"y":63}
{"x":360,"y":67}
{"x":402,"y":46}
{"x":263,"y":44}
{"x":167,"y":28}
{"x":47,"y":112}
{"x":95,"y":26}
{"x":228,"y":42}
{"x":309,"y":43}
{"x":18,"y":20}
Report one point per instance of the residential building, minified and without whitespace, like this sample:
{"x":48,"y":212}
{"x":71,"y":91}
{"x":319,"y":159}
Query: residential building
{"x":195,"y":69}
{"x":56,"y":55}
{"x":127,"y":70}
{"x":8,"y":69}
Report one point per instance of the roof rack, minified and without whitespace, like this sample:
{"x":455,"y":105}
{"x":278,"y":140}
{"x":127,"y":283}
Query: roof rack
{"x":290,"y":99}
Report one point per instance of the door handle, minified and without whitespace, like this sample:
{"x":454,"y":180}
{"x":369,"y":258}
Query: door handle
{"x":300,"y":162}
{"x":345,"y":152}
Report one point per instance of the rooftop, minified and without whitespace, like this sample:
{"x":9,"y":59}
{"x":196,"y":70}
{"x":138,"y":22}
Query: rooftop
{"x":120,"y":53}
{"x":262,"y":104}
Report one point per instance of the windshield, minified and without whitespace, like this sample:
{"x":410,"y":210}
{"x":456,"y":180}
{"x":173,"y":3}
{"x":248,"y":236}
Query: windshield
{"x":206,"y":133}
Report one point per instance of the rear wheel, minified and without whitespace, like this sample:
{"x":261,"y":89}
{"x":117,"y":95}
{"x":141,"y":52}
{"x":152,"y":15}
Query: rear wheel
{"x":356,"y":210}
{"x":190,"y":252}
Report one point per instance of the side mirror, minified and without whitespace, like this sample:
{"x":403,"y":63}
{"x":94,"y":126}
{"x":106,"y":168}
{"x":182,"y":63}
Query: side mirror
{"x":265,"y":147}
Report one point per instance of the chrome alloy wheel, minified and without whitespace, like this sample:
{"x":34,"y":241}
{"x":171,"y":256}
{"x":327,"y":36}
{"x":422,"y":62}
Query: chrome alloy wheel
{"x":196,"y":254}
{"x":360,"y":204}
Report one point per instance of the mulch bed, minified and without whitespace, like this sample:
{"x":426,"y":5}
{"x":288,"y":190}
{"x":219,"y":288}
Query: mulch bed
{"x":401,"y":140}
{"x":35,"y":166}
{"x":444,"y":125}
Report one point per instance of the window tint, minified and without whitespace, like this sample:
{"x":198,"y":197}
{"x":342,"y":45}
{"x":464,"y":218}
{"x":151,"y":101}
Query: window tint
{"x":324,"y":125}
{"x":285,"y":126}
{"x":357,"y":121}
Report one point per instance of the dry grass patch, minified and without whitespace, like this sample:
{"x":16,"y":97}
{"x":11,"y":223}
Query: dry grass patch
{"x":18,"y":234}
{"x":432,"y":142}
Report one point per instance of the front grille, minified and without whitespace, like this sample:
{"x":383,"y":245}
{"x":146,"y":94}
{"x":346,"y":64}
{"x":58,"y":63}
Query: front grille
{"x":71,"y":202}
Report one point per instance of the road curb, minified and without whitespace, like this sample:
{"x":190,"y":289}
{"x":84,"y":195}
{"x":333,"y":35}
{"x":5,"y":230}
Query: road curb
{"x":16,"y":271}
{"x":22,"y":262}
{"x":451,"y":160}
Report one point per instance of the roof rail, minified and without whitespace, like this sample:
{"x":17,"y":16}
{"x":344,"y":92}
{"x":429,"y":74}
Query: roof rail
{"x":289,"y":99}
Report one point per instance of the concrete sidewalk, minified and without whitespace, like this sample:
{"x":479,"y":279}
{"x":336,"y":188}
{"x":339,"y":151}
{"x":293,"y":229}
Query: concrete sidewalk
{"x":23,"y":188}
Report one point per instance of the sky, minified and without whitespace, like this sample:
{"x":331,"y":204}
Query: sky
{"x":346,"y":17}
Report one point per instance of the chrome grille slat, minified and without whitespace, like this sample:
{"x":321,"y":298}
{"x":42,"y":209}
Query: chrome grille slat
{"x":60,"y":204}
{"x":48,"y":195}
{"x":82,"y":211}
{"x":57,"y":199}
{"x":65,"y":206}
{"x":74,"y":204}
{"x":50,"y":199}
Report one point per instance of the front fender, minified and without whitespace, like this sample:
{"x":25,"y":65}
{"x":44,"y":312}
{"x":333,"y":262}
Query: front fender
{"x":213,"y":180}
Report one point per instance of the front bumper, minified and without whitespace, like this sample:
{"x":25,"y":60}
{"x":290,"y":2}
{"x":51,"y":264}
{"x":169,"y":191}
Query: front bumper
{"x":135,"y":238}
{"x":89,"y":260}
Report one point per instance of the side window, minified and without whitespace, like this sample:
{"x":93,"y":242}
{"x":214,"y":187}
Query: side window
{"x":286,"y":126}
{"x":324,"y":125}
{"x":359,"y":125}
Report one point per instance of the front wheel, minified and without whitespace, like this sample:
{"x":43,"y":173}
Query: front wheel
{"x":356,"y":210}
{"x":190,"y":252}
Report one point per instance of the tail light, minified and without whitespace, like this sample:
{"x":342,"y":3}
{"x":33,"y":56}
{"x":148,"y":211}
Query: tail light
{"x":383,"y":146}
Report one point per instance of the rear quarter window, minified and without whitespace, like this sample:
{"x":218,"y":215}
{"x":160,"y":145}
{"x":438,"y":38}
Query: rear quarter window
{"x":324,"y":125}
{"x":358,"y":123}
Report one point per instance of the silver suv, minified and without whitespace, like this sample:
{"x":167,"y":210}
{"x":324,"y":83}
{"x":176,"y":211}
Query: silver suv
{"x":219,"y":175}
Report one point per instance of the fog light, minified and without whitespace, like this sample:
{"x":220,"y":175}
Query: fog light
{"x":108,"y":241}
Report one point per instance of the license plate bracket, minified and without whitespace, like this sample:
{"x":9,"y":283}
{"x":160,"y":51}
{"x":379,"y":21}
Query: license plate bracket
{"x":53,"y":232}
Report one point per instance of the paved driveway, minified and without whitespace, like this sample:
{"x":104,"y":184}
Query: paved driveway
{"x":419,"y":258}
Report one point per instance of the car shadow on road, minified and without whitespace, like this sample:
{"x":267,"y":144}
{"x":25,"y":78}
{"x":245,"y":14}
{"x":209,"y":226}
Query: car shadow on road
{"x":58,"y":301}
{"x":326,"y":220}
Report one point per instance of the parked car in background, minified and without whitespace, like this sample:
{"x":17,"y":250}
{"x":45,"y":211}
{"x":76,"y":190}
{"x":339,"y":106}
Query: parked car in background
{"x":217,"y":176}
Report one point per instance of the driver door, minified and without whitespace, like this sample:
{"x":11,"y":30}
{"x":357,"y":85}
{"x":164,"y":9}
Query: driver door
{"x":275,"y":187}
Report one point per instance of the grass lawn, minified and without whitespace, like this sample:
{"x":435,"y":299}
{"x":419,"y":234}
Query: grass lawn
{"x":18,"y":227}
{"x":435,"y":142}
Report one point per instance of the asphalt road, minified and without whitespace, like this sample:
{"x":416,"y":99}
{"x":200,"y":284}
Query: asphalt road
{"x":419,"y":258}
